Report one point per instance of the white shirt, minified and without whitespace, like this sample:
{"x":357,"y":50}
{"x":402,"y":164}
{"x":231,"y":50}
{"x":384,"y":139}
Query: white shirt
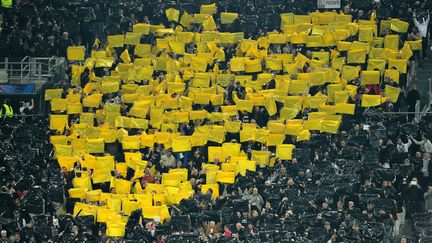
{"x":27,"y":105}
{"x":426,"y":146}
{"x":403,"y":148}
{"x":422,"y":26}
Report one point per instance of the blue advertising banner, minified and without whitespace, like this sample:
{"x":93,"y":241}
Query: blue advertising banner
{"x":17,"y":89}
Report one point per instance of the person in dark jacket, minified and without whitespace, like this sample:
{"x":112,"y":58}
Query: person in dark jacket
{"x":412,"y":97}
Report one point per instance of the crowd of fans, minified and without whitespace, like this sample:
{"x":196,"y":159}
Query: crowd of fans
{"x":47,"y":28}
{"x":361,"y":184}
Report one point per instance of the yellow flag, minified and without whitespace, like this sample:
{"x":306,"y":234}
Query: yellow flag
{"x":125,"y":56}
{"x":231,"y":149}
{"x":406,"y":51}
{"x":172,"y":14}
{"x":304,"y":135}
{"x":58,"y":122}
{"x":391,"y":42}
{"x":215,"y":152}
{"x":228,"y":18}
{"x":270,"y":106}
{"x":141,"y":28}
{"x":330,"y":126}
{"x":59,"y":104}
{"x":237,"y":64}
{"x":208,"y":9}
{"x":399,"y":64}
{"x":186,"y":19}
{"x":75,"y":53}
{"x":232,"y":126}
{"x":115,"y":40}
{"x":53,"y":93}
{"x":371,"y":100}
{"x":399,"y":26}
{"x":284,"y":151}
{"x":393,"y":74}
{"x":392,"y":93}
{"x":349,"y":72}
{"x":181,"y":144}
{"x":225,"y":177}
{"x":244,"y":165}
{"x":275,"y":139}
{"x":115,"y":229}
{"x":261,"y":157}
{"x":343,"y":108}
{"x":100,"y":176}
{"x":209,"y":24}
{"x":132,"y":38}
{"x":415,"y":45}
{"x":95,"y":145}
{"x":370,"y":77}
{"x":357,"y":56}
{"x":253,"y":66}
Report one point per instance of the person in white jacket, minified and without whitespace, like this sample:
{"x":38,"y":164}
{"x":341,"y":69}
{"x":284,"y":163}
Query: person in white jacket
{"x":423,"y":28}
{"x":425,"y":144}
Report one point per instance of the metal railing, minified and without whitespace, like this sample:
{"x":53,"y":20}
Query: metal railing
{"x":429,"y":94}
{"x":32,"y":69}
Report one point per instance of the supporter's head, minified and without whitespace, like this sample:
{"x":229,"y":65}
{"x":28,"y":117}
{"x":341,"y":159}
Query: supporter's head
{"x":426,"y":156}
{"x":327,"y":225}
{"x":351,"y":204}
{"x":340,"y":205}
{"x":3,"y":234}
{"x":325,"y":205}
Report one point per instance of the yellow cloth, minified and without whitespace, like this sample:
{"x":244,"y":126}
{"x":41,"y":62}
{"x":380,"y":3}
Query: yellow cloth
{"x":208,"y":9}
{"x":371,"y":100}
{"x":391,"y":42}
{"x":75,"y":53}
{"x":330,"y":126}
{"x":253,"y":66}
{"x":392,"y":93}
{"x":172,"y":14}
{"x":370,"y":77}
{"x":228,"y":18}
{"x":415,"y":45}
{"x":284,"y":151}
{"x":393,"y":74}
{"x":345,"y":108}
{"x":181,"y":144}
{"x":95,"y":145}
{"x":53,"y":93}
{"x":399,"y":26}
{"x":237,"y":64}
{"x":399,"y":64}
{"x":261,"y":157}
{"x":357,"y":56}
{"x":115,"y":229}
{"x":141,"y":28}
{"x":406,"y":51}
{"x":304,"y":135}
{"x":58,"y":122}
{"x":132,"y":38}
{"x":125,"y":56}
{"x":115,"y":40}
{"x":225,"y":177}
{"x":58,"y":104}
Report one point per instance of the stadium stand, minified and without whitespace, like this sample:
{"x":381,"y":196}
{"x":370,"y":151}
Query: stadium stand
{"x":245,"y":121}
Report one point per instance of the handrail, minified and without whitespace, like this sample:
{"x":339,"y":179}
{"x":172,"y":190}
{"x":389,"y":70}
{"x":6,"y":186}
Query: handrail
{"x":417,"y":109}
{"x":406,"y":112}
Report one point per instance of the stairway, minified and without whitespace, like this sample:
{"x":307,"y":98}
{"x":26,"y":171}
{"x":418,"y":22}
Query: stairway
{"x":421,"y":79}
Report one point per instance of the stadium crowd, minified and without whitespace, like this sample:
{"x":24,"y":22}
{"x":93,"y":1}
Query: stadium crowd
{"x":359,"y":180}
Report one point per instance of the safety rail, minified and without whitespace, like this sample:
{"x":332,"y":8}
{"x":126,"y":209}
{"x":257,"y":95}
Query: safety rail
{"x":34,"y":70}
{"x":429,"y":94}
